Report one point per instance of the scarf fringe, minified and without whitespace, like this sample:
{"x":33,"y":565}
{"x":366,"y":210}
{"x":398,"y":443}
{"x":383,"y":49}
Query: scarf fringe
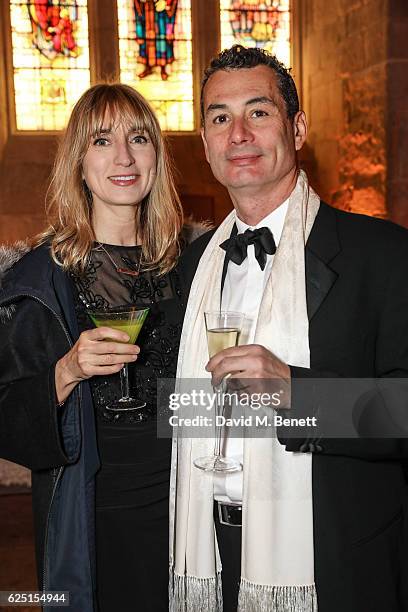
{"x":265,"y":598}
{"x":191,"y":594}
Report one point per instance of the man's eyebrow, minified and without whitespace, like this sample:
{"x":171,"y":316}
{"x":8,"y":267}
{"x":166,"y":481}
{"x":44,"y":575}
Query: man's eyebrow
{"x":260,"y":100}
{"x":257,"y":100}
{"x":213,"y":107}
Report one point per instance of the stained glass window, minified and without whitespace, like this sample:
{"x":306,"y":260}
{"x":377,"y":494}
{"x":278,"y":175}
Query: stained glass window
{"x":155,"y":50}
{"x":257,"y":23}
{"x":50,"y":60}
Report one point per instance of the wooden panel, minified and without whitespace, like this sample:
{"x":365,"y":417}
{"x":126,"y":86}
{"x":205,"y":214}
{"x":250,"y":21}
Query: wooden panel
{"x":103,"y":35}
{"x":200,"y":207}
{"x":17,"y":546}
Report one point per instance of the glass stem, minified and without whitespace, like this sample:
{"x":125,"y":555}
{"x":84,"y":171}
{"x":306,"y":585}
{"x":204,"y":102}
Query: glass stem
{"x":124,"y":382}
{"x":219,"y":411}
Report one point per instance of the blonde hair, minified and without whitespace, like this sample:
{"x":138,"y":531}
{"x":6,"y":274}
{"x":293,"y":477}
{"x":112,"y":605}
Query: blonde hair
{"x":159,"y":217}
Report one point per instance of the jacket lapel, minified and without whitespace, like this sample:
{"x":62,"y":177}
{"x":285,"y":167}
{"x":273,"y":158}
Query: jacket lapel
{"x":322,"y":246}
{"x":234,"y":232}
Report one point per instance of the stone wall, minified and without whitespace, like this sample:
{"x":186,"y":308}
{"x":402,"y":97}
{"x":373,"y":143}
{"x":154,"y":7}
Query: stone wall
{"x":397,"y":108}
{"x":344,"y":51}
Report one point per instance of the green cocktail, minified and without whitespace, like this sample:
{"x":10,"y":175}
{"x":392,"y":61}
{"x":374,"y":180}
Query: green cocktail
{"x":129,"y":320}
{"x":132,"y":328}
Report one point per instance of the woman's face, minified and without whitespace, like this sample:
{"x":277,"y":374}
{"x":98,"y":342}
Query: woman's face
{"x":119,"y":166}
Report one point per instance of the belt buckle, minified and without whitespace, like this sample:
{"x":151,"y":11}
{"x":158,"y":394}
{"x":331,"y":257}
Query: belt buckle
{"x":224,"y":516}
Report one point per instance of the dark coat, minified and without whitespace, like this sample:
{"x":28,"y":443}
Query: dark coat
{"x":357,"y":299}
{"x":38,"y":326}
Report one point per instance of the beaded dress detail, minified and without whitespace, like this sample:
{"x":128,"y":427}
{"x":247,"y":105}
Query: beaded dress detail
{"x":132,"y":485}
{"x":103,"y":287}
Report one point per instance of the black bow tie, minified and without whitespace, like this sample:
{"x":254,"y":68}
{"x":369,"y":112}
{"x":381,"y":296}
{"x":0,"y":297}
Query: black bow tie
{"x":237,"y":246}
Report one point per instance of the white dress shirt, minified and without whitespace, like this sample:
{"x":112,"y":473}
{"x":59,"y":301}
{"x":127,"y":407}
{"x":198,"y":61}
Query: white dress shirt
{"x":243,"y":289}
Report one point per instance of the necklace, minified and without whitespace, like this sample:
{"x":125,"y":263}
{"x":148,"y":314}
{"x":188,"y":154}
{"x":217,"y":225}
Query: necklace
{"x":120,"y":269}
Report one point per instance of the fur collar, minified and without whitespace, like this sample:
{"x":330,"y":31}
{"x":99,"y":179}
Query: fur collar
{"x":9,"y":255}
{"x":192,"y":230}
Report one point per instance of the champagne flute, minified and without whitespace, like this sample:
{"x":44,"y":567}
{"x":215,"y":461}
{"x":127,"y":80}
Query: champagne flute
{"x":128,"y":319}
{"x":223,"y":330}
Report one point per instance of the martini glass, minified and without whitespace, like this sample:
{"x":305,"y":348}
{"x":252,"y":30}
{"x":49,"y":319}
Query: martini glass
{"x":223,"y":331}
{"x":129,"y":320}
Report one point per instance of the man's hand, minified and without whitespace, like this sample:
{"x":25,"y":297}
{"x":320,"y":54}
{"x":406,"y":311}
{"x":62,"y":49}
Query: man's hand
{"x":259,"y":370}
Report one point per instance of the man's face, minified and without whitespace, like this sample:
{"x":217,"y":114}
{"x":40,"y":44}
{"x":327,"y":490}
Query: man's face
{"x":250,"y":143}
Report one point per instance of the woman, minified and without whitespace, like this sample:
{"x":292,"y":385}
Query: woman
{"x":100,"y":476}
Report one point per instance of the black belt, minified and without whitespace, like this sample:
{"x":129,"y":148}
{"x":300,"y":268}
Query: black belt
{"x":229,"y":514}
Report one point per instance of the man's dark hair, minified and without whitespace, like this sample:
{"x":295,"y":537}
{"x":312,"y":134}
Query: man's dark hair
{"x":241,"y":57}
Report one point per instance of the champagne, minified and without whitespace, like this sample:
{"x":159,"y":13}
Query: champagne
{"x":221,"y":338}
{"x":223,"y":330}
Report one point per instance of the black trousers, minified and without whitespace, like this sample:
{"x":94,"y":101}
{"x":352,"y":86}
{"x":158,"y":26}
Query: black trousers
{"x":229,"y":544}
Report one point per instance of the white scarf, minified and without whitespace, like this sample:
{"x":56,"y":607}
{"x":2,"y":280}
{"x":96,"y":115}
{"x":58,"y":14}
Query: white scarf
{"x":277,"y":568}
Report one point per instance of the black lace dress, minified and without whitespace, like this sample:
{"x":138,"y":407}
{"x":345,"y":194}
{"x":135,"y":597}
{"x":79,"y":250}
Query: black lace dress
{"x":132,"y":484}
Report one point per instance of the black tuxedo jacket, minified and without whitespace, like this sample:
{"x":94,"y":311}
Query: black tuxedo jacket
{"x":357,"y":300}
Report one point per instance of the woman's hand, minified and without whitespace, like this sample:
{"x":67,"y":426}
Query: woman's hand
{"x":98,"y":352}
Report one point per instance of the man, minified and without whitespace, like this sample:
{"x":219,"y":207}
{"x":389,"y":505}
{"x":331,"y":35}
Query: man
{"x":309,"y":524}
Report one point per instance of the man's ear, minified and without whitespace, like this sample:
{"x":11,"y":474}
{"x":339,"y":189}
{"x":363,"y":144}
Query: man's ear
{"x":205,"y":144}
{"x":299,"y":129}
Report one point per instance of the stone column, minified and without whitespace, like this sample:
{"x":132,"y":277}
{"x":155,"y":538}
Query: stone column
{"x":397,"y":111}
{"x":354,"y":53}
